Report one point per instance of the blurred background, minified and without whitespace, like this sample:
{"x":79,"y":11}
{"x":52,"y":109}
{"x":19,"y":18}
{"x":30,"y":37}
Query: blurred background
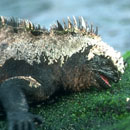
{"x":111,"y":16}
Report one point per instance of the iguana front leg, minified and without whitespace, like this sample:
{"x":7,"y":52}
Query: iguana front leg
{"x":15,"y":105}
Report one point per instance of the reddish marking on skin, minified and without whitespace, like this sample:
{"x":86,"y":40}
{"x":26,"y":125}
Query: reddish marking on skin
{"x":105,"y":80}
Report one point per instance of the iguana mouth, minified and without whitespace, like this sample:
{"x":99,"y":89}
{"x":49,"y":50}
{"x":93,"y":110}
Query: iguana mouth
{"x":106,"y":77}
{"x":105,"y":81}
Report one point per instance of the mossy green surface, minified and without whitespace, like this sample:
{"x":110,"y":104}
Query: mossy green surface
{"x":91,"y":110}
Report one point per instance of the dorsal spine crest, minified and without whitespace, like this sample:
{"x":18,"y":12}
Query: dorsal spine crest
{"x":77,"y":26}
{"x":20,"y":23}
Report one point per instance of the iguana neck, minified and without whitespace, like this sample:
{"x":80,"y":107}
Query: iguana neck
{"x":78,"y":78}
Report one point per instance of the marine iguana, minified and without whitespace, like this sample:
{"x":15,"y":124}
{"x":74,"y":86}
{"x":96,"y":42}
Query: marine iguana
{"x":36,"y":62}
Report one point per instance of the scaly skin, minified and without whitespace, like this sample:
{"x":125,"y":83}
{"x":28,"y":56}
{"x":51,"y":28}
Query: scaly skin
{"x":35,"y":63}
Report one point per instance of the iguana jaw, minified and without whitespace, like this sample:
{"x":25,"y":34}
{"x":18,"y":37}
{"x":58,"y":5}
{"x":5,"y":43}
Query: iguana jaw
{"x":105,"y":79}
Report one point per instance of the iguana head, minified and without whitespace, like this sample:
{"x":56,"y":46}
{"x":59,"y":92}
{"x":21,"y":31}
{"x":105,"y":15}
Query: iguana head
{"x":85,"y":71}
{"x":105,"y":70}
{"x":106,"y":63}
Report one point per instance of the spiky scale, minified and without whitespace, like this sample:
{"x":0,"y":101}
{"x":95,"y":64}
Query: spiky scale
{"x":2,"y":19}
{"x":91,"y":28}
{"x":24,"y":23}
{"x":31,"y":25}
{"x":80,"y":23}
{"x":65,"y":26}
{"x":59,"y":26}
{"x":83,"y":23}
{"x":75,"y":23}
{"x":96,"y":31}
{"x":28,"y":25}
{"x":69,"y":23}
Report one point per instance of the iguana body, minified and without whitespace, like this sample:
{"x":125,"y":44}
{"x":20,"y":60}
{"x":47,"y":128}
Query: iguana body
{"x":35,"y":63}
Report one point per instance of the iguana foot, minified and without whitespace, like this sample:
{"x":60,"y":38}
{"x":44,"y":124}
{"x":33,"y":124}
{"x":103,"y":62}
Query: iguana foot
{"x":22,"y":121}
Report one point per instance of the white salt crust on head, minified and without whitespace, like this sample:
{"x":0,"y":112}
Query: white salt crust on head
{"x":101,"y":48}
